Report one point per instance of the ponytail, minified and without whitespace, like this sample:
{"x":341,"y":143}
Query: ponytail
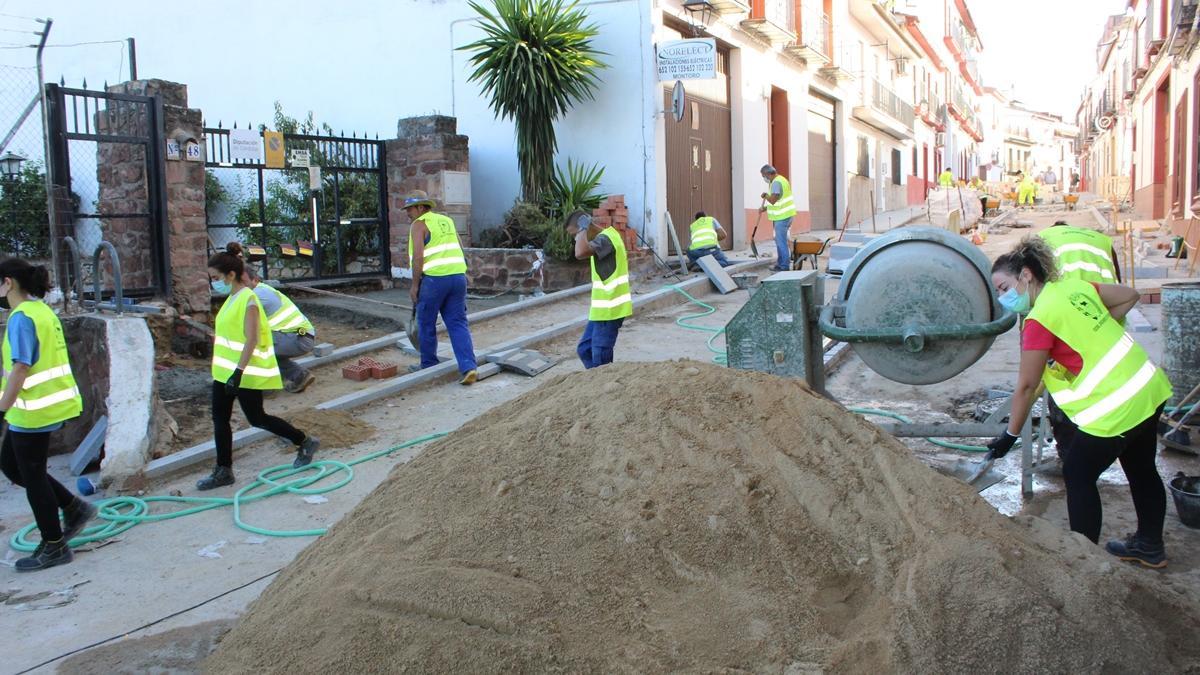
{"x":226,"y":262}
{"x":33,"y":279}
{"x":1032,"y":253}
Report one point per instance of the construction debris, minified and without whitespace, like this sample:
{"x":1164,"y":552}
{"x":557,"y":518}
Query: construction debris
{"x":606,"y":523}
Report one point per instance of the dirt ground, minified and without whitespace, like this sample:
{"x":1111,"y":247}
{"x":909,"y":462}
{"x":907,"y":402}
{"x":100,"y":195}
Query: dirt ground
{"x":164,"y":556}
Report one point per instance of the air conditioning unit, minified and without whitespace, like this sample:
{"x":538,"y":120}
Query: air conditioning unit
{"x":939,"y":139}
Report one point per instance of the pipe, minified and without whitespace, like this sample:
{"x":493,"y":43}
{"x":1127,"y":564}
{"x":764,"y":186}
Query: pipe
{"x":51,"y":214}
{"x":118,"y":294}
{"x":911,"y":335}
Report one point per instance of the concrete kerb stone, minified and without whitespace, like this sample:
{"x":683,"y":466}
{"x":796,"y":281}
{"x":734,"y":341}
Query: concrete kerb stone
{"x":1101,"y":220}
{"x":484,"y":315}
{"x":649,"y":302}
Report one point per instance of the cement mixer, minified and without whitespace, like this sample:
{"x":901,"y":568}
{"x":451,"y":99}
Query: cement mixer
{"x":916,"y":305}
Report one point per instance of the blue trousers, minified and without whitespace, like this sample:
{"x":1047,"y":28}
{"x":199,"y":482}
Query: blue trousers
{"x":446,"y":295}
{"x":596,"y":346}
{"x":783,"y":251}
{"x":714,"y":251}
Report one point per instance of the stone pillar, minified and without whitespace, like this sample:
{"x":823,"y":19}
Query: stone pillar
{"x":425,"y":148}
{"x":183,"y":190}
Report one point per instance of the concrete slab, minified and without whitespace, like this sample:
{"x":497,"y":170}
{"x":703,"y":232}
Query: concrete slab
{"x":717,"y":274}
{"x":1150,"y":272}
{"x":1135,"y":322}
{"x":89,"y":450}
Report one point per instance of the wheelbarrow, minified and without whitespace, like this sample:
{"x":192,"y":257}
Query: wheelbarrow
{"x":807,"y":249}
{"x":1071,"y":201}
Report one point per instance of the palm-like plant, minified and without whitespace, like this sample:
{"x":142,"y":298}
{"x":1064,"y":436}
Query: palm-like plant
{"x":535,"y":61}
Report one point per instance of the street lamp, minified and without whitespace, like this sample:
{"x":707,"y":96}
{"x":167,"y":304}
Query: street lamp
{"x":10,"y":164}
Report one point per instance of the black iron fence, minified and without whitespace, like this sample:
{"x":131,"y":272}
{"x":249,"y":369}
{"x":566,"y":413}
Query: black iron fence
{"x":317,"y":205}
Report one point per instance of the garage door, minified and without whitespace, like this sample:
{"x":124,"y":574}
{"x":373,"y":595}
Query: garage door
{"x":822,"y":167}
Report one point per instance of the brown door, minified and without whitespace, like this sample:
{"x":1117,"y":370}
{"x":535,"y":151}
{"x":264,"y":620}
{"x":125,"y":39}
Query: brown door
{"x":780,"y":133}
{"x":822,"y":165}
{"x":699,"y":162}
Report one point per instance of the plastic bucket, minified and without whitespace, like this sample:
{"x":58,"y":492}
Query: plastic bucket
{"x":1185,"y":490}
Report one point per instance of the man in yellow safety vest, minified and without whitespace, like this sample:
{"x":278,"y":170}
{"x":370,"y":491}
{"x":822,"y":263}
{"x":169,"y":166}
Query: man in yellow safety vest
{"x":439,"y":284}
{"x":706,"y":237}
{"x":946,"y":178}
{"x":612,"y":299}
{"x":780,"y":209}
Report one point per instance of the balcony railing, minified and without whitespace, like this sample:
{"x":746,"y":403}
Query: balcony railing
{"x":814,"y":29}
{"x":963,"y":105}
{"x":887,"y":102}
{"x":773,"y":20}
{"x":957,"y":39}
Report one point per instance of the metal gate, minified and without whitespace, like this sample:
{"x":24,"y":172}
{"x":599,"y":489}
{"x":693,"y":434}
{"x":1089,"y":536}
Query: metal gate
{"x":106,"y":165}
{"x":323,"y":223}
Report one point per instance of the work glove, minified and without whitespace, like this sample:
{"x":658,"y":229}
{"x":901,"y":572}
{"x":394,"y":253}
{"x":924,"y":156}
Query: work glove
{"x":1000,"y":445}
{"x":234,"y":381}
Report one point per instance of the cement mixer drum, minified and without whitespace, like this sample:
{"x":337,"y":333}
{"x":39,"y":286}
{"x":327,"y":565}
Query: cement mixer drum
{"x":917,"y":306}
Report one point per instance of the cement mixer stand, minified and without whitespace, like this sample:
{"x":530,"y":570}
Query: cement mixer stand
{"x":917,"y":307}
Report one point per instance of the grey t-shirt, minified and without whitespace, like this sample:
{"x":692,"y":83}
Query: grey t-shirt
{"x":776,"y":188}
{"x":269,"y":298}
{"x":606,"y":259}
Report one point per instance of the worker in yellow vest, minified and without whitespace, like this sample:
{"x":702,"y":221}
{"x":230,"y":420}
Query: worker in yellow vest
{"x":1026,"y":191}
{"x":780,"y":209}
{"x":946,"y":178}
{"x":1102,"y":380}
{"x":39,"y":395}
{"x":291,"y":331}
{"x":1083,"y":253}
{"x":439,"y":284}
{"x":612,"y":298}
{"x":243,"y":367}
{"x":706,"y":237}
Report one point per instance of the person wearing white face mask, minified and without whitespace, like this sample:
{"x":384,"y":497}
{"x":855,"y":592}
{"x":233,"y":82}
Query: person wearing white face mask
{"x":1110,"y":391}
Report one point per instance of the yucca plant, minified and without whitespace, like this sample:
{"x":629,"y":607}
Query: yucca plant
{"x":576,"y":187}
{"x":535,"y":61}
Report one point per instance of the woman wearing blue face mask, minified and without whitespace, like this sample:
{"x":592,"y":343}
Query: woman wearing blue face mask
{"x":243,"y":366}
{"x":1104,"y":383}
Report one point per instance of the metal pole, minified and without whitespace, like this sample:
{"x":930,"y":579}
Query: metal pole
{"x":51,"y":214}
{"x":132,"y":59}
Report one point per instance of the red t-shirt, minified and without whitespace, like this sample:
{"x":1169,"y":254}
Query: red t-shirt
{"x":1035,"y":336}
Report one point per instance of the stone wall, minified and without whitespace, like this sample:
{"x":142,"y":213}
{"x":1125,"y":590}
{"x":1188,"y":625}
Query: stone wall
{"x":87,"y":347}
{"x":493,"y":270}
{"x":424,"y":147}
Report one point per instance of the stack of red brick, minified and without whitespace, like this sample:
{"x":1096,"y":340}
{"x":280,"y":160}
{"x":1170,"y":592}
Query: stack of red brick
{"x":367,"y":367}
{"x":612,"y":212}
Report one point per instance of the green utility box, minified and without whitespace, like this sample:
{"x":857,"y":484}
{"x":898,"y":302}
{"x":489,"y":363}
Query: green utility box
{"x":776,"y":330}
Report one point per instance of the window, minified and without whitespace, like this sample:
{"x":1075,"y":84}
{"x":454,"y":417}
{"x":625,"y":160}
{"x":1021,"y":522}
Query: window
{"x":1196,"y":144}
{"x":896,"y":167}
{"x":864,"y":157}
{"x":914,"y":171}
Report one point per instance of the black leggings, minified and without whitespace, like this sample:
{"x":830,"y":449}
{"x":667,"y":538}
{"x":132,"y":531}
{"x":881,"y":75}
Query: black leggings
{"x":23,"y":460}
{"x":1088,"y":456}
{"x":252,"y":406}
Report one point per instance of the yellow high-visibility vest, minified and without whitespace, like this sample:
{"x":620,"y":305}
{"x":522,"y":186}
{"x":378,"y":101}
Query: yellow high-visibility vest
{"x":288,"y":318}
{"x":262,"y":372}
{"x":443,"y":254}
{"x":612,"y":298}
{"x":49,"y":394}
{"x":1081,"y":253}
{"x":784,"y":207}
{"x":1119,"y":386}
{"x":704,"y":234}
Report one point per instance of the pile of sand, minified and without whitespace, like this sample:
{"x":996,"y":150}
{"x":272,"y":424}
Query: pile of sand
{"x":679,"y":516}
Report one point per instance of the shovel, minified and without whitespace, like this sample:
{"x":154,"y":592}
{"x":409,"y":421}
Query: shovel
{"x":753,"y":245}
{"x":411,"y":330}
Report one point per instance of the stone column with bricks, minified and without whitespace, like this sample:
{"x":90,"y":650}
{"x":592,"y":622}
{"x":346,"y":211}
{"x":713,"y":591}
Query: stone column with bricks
{"x":183,"y":190}
{"x":417,"y":159}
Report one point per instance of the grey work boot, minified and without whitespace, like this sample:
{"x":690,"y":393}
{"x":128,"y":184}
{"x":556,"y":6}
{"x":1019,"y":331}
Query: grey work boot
{"x":1135,"y":549}
{"x":47,"y":554}
{"x":76,"y":517}
{"x":221,"y":476}
{"x":304,"y":455}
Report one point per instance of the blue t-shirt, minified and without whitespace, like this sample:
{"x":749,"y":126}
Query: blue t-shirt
{"x":23,"y":341}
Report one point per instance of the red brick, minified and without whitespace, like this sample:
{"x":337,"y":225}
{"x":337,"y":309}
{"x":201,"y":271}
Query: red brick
{"x":382,"y":371}
{"x":356,"y":373}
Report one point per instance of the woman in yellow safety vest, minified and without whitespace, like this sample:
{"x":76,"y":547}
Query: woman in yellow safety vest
{"x":243,"y":366}
{"x":1110,"y":391}
{"x":39,"y":394}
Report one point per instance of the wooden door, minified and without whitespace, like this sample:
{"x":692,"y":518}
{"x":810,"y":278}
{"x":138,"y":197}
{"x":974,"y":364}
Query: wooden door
{"x":822,"y":163}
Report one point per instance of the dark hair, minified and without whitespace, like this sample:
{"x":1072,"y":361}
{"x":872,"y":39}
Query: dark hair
{"x":1032,"y":253}
{"x":701,"y":214}
{"x":1060,"y":222}
{"x":33,"y":279}
{"x":226,"y":262}
{"x":236,"y":249}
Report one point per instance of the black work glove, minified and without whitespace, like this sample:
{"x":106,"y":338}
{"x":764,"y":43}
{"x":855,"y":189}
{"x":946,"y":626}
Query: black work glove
{"x":1001,"y":444}
{"x":234,"y":381}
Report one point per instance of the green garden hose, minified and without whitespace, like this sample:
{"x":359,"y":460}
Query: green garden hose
{"x":901,"y":418}
{"x":122,"y":513}
{"x":720,"y":357}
